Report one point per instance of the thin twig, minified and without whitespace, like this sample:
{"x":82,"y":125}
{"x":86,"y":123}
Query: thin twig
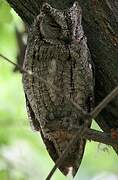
{"x":11,"y":62}
{"x":104,"y":103}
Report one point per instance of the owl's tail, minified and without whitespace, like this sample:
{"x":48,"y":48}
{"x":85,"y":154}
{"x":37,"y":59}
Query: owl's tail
{"x":72,"y":161}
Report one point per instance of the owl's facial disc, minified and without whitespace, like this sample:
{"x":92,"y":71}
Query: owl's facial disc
{"x":53,"y":25}
{"x":61,"y":26}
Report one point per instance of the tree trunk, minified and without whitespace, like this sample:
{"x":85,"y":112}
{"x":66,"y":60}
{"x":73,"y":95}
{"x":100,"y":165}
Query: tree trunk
{"x":100,"y":21}
{"x":101,"y":27}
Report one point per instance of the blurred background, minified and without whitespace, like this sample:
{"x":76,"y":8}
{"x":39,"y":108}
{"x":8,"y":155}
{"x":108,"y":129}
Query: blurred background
{"x":22,"y":153}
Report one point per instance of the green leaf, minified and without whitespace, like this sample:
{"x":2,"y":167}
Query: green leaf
{"x":5,"y":14}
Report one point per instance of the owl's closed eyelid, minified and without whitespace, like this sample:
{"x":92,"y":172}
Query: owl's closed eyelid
{"x":54,"y":25}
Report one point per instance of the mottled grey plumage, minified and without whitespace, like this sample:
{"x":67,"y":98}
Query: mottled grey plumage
{"x":57,"y":51}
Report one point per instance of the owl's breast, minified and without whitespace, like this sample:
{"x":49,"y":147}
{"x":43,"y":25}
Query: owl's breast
{"x":50,"y":64}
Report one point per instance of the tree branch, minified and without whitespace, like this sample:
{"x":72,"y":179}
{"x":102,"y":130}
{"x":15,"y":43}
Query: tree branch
{"x":26,"y":9}
{"x":100,"y":137}
{"x":100,"y":25}
{"x":104,"y":103}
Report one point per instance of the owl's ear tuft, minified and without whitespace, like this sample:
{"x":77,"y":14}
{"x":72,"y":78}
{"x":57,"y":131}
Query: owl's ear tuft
{"x":49,"y":10}
{"x":76,"y":18}
{"x":76,"y":5}
{"x":46,"y":8}
{"x":76,"y":12}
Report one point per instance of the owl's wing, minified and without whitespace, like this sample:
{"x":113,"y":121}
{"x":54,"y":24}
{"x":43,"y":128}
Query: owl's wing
{"x":35,"y":125}
{"x":31,"y":116}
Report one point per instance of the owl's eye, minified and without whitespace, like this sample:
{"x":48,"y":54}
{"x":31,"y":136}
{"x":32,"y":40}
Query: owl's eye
{"x":50,"y":29}
{"x":54,"y":25}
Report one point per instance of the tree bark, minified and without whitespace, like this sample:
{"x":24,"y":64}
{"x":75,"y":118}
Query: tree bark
{"x":100,"y":21}
{"x":101,"y":27}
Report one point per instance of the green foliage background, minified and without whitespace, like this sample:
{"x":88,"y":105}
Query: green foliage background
{"x":22,"y":153}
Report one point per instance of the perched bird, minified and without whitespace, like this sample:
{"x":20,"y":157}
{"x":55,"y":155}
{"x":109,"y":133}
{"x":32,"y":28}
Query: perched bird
{"x":58,"y":58}
{"x":100,"y":25}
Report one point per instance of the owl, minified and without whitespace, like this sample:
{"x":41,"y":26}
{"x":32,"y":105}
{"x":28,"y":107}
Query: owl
{"x":59,"y":60}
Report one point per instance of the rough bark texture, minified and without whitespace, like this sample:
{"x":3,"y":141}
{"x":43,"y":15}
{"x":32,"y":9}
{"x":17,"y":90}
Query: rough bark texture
{"x":101,"y":27}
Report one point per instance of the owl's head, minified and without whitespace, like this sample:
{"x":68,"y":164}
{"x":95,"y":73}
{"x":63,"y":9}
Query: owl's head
{"x":59,"y":26}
